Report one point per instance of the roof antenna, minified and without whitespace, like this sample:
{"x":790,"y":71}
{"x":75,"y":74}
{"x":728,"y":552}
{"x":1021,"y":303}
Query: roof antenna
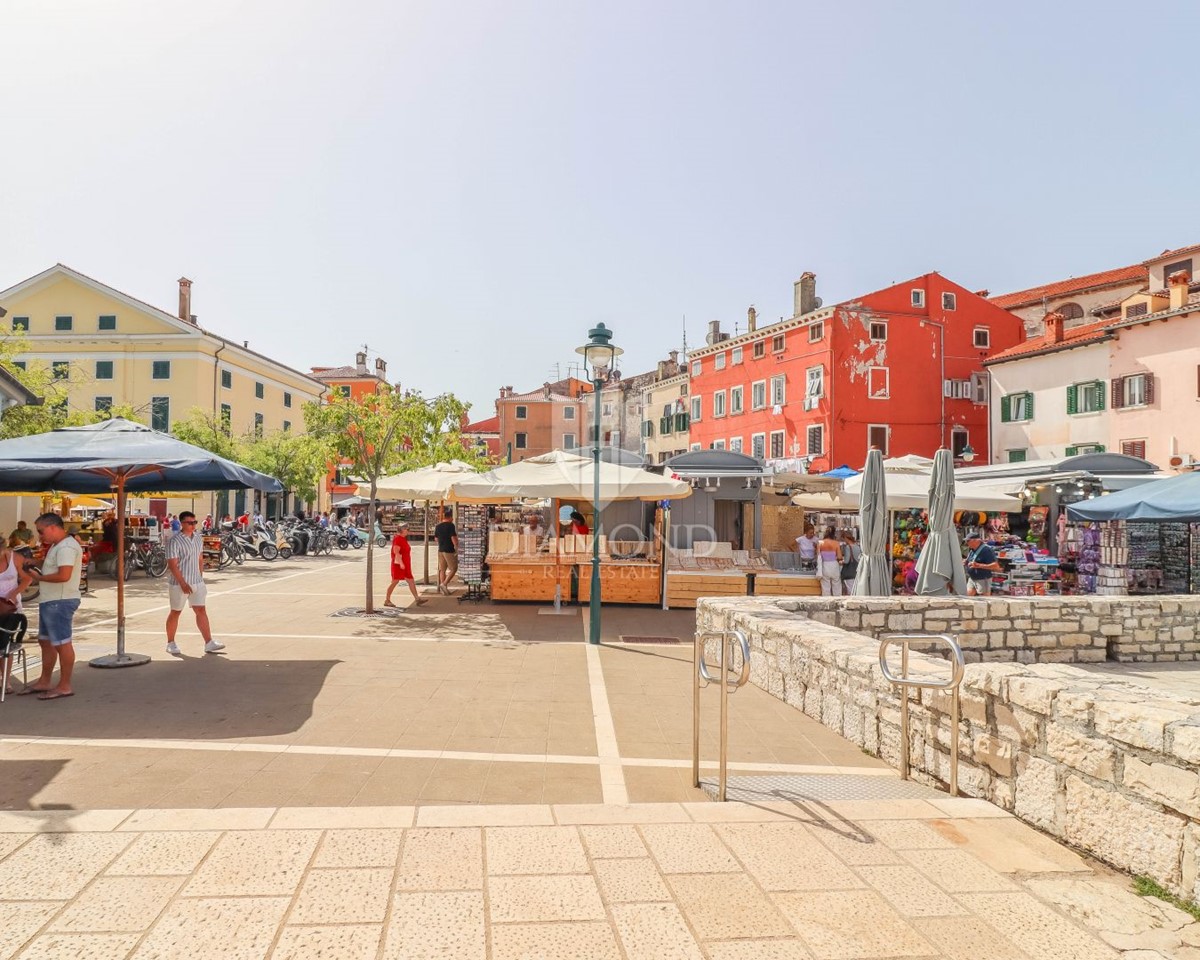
{"x":685,"y":352}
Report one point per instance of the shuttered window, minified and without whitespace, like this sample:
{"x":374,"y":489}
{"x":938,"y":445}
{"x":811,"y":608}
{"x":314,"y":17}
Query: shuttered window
{"x":1016,"y":407}
{"x":1087,"y":397}
{"x":1134,"y":448}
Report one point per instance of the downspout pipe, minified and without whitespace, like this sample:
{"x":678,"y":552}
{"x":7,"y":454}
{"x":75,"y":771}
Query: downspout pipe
{"x":216,"y":408}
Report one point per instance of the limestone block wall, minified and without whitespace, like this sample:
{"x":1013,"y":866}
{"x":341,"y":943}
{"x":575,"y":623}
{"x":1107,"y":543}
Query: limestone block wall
{"x":1028,"y":630}
{"x":1105,"y":765}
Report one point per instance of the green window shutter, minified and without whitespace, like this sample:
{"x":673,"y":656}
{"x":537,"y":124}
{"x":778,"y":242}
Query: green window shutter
{"x":1099,"y":448}
{"x":681,"y":422}
{"x":1099,"y":394}
{"x":1073,"y":399}
{"x":1072,"y":451}
{"x":1005,"y":409}
{"x":1029,"y":404}
{"x":664,"y":425}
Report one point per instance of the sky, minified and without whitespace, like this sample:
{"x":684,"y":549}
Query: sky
{"x":467,"y":187}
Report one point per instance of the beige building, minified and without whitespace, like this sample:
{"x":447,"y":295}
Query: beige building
{"x":665,"y":427}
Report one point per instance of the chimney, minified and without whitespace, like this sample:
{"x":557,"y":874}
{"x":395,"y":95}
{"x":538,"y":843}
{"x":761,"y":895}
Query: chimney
{"x":714,"y":332}
{"x":983,"y":293}
{"x":546,"y":390}
{"x":1177,"y":284}
{"x":360,"y":362}
{"x":662,"y":370}
{"x":751,"y":319}
{"x":185,"y":300}
{"x":381,"y":368}
{"x":1054,"y":327}
{"x":804,"y":294}
{"x":673,"y":355}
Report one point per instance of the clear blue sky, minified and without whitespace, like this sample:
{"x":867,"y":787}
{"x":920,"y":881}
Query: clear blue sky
{"x":467,"y":187}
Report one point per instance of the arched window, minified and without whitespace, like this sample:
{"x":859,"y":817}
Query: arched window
{"x":1070,"y":311}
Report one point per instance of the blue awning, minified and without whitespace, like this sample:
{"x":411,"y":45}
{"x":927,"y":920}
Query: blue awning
{"x":1175,"y":498}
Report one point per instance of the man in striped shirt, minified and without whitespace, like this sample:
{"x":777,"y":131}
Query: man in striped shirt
{"x":186,"y":578}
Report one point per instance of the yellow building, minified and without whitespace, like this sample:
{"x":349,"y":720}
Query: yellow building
{"x":114,"y":349}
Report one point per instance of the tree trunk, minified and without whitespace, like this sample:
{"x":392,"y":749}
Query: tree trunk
{"x":370,"y":607}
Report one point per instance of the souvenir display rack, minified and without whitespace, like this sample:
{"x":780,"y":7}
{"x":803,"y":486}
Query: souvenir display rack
{"x":472,"y":546}
{"x":1025,"y":572}
{"x":210,"y":553}
{"x":1175,"y":555}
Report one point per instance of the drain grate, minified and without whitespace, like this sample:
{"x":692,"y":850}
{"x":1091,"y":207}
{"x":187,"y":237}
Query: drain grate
{"x":801,"y":787}
{"x":625,"y":638}
{"x":360,"y":612}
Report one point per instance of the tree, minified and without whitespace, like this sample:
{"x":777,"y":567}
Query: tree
{"x":387,"y":432}
{"x":296,"y":460}
{"x":201,"y":429}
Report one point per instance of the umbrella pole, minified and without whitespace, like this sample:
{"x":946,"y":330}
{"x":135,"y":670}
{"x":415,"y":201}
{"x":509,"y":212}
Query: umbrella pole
{"x":426,"y":538}
{"x":120,"y":658}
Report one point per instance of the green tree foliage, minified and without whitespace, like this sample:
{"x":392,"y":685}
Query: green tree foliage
{"x":385,"y":433}
{"x":298,"y":461}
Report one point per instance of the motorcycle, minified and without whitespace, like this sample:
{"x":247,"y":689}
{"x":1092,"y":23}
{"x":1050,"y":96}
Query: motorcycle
{"x":258,"y":543}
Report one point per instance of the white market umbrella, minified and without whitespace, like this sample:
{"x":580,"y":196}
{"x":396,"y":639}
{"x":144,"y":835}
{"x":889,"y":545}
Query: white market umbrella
{"x":908,"y":489}
{"x":940,"y":567}
{"x":559,"y":475}
{"x":875,"y":567}
{"x":425,"y":484}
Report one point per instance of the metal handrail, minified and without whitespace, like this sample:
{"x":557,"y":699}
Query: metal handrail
{"x":701,"y":678}
{"x":904,"y":681}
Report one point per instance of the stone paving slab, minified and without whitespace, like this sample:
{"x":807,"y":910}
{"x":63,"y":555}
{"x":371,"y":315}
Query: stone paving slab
{"x":666,"y":884}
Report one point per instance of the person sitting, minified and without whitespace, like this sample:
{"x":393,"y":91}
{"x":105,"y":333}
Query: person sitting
{"x":22,"y":536}
{"x":578,"y":523}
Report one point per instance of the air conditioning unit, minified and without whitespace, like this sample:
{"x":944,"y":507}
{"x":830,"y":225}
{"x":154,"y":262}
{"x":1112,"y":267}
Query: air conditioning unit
{"x":1184,"y":461}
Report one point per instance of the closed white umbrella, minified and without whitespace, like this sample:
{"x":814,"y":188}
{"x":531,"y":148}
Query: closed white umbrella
{"x":875,"y":568}
{"x":940,"y":566}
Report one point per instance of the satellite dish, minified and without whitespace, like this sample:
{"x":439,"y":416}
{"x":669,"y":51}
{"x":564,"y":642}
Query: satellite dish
{"x":817,"y":303}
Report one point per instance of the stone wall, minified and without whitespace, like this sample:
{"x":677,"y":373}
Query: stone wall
{"x":1105,"y":765}
{"x":1028,"y":630}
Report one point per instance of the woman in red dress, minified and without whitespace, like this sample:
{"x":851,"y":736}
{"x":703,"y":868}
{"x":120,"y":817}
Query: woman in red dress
{"x":402,"y":567}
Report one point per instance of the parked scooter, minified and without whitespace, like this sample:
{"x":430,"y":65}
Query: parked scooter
{"x":258,"y":543}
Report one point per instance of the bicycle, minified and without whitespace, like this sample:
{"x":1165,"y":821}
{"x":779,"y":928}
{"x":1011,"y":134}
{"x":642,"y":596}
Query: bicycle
{"x":151,"y":557}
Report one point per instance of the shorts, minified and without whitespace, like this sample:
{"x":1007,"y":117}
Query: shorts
{"x":196,"y":598}
{"x":979,"y":588}
{"x":401,"y":573}
{"x":447,"y":563}
{"x":54,"y":620}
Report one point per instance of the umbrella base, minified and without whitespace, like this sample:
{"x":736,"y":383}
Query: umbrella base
{"x":112,"y":660}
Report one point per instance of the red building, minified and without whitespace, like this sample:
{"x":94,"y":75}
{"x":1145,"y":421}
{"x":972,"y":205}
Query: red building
{"x":900,"y":369}
{"x":484,"y":435}
{"x":350,"y":382}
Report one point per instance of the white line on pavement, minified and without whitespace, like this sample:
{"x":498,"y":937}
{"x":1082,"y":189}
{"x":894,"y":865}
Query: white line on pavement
{"x":612,"y":777}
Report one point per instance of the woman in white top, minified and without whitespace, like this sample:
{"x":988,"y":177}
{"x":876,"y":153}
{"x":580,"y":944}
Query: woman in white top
{"x":13,"y":582}
{"x":806,"y":546}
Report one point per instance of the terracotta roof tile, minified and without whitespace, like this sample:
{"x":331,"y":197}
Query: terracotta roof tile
{"x":490,"y":425}
{"x":1173,"y":253}
{"x":1074,"y":337}
{"x":1091,"y":281}
{"x":341,"y":373}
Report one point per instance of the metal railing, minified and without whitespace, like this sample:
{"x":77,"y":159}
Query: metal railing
{"x":730,"y":681}
{"x":905,"y":683}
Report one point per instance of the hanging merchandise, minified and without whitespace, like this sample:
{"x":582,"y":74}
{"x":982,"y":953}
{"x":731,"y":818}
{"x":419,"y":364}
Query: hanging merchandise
{"x":910,"y":528}
{"x":1174,"y":544}
{"x":1038,"y":517}
{"x":472,"y":530}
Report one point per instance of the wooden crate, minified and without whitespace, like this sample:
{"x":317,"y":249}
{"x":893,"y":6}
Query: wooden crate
{"x":684,"y":589}
{"x":622,"y":583}
{"x":785,"y":585}
{"x":529,"y":581}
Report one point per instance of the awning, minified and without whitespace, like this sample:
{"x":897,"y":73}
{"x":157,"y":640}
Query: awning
{"x":1173,"y":499}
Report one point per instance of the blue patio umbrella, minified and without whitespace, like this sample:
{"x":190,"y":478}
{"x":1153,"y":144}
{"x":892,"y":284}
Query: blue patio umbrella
{"x":122,"y":457}
{"x":1174,"y":498}
{"x":841,"y":473}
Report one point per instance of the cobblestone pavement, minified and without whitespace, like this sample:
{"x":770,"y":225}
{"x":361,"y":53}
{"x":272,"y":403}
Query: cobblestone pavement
{"x":474,"y":781}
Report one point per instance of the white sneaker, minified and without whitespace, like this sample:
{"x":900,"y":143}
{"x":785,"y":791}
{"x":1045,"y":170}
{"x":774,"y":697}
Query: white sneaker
{"x":213,"y":646}
{"x":173,"y":649}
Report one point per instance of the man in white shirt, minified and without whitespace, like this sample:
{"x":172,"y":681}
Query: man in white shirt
{"x":187,"y":586}
{"x":59,"y":599}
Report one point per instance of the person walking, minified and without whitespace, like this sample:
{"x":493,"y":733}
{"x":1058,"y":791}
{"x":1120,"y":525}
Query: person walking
{"x":402,"y":566}
{"x":981,"y":563}
{"x":187,"y":586}
{"x":58,"y":600}
{"x":14,"y":580}
{"x":830,"y":553}
{"x":446,"y":535}
{"x":851,"y":554}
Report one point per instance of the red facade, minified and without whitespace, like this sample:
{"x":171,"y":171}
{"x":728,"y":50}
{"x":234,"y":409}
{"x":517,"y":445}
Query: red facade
{"x":901,"y":368}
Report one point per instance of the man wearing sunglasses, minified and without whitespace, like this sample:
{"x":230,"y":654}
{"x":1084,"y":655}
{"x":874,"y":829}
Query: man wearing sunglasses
{"x":187,"y":583}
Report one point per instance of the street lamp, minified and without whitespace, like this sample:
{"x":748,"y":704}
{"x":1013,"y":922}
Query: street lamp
{"x":598,"y":353}
{"x":967,"y":453}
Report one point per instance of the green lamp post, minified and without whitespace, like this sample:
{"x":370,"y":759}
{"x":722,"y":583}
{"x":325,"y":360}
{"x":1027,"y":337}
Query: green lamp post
{"x":598,"y":354}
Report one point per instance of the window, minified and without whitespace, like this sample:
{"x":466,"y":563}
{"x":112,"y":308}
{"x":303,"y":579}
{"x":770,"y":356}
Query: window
{"x":106,"y":322}
{"x":1184,"y":265}
{"x":287,"y":399}
{"x":814,"y":382}
{"x":979,"y":387}
{"x":1136,"y":390}
{"x":1085,"y":397}
{"x":696,"y":368}
{"x":1085,"y":448}
{"x":878,"y":331}
{"x":1016,"y":456}
{"x":759,"y":350}
{"x":1134,"y":448}
{"x":521,"y":412}
{"x":160,"y":414}
{"x":877,"y":437}
{"x":614,"y":438}
{"x":61,"y":369}
{"x":607,"y":410}
{"x":959,"y":441}
{"x":776,"y":444}
{"x":918,"y":298}
{"x":957,"y":389}
{"x":568,"y":441}
{"x":718,"y":445}
{"x":949,"y":301}
{"x":1137,"y":309}
{"x":694,"y":447}
{"x":758,"y":445}
{"x":568,"y":413}
{"x":343,"y":391}
{"x":63,"y":323}
{"x":816,"y":439}
{"x":736,"y":400}
{"x":681,"y":422}
{"x":161,"y":370}
{"x":719,"y":403}
{"x":226,"y":379}
{"x":816,"y":331}
{"x":695,"y":409}
{"x":735,"y":355}
{"x":104,"y":369}
{"x":287,"y":426}
{"x":647,"y":428}
{"x":521,"y":441}
{"x":226,"y":418}
{"x":719,"y":361}
{"x":341,"y":476}
{"x":21,"y":323}
{"x":1016,"y":407}
{"x":1070,"y":311}
{"x":758,"y":393}
{"x":778,"y":390}
{"x":778,"y":343}
{"x":258,"y":389}
{"x":103,"y":404}
{"x":983,"y":338}
{"x":258,"y":425}
{"x":878,"y":383}
{"x":735,"y":444}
